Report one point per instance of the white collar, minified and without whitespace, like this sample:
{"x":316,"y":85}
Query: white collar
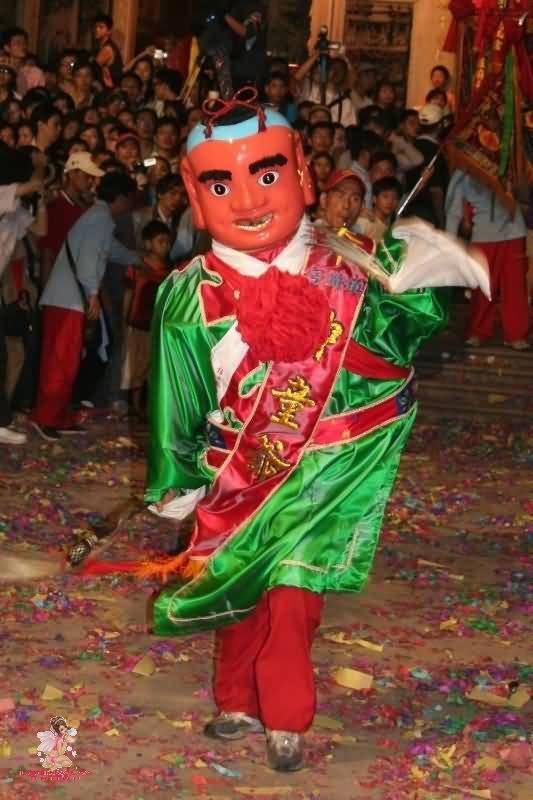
{"x":292,"y":258}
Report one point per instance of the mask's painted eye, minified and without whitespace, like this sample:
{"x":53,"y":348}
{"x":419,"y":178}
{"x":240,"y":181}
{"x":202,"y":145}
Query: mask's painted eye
{"x":219,"y":189}
{"x":268,"y":178}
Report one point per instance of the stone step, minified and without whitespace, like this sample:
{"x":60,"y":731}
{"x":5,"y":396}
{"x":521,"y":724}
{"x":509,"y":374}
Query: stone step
{"x":457,"y":388}
{"x":439,"y":351}
{"x":431,"y":410}
{"x":458,"y":400}
{"x":485,"y":375}
{"x":492,"y":381}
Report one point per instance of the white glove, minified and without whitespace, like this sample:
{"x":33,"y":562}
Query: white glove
{"x":180,"y":507}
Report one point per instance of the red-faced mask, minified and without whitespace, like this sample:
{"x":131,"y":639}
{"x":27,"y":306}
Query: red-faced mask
{"x":248,"y":188}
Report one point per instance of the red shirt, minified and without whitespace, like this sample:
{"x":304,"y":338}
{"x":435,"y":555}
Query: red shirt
{"x":63,"y":213}
{"x":145,"y":283}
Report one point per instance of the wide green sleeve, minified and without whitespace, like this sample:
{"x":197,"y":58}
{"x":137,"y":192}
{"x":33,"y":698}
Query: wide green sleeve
{"x":396,"y":326}
{"x":182,"y":386}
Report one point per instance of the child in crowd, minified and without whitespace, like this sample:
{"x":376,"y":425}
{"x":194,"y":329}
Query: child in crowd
{"x":323,"y":165}
{"x":402,"y":142}
{"x":386,"y":193}
{"x":139,"y":300}
{"x":441,"y":79}
{"x":321,"y":138}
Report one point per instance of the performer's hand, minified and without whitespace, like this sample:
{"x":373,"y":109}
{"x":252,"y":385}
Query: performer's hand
{"x":94,"y":308}
{"x":167,"y":498}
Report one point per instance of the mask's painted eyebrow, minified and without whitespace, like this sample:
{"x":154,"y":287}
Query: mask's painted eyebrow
{"x":215,"y":175}
{"x":279,"y":160}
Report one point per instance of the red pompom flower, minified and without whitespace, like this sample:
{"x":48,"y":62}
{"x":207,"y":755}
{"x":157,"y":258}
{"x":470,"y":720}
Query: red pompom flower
{"x":282,"y":317}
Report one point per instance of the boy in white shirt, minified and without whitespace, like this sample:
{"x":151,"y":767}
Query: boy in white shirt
{"x":386,"y":193}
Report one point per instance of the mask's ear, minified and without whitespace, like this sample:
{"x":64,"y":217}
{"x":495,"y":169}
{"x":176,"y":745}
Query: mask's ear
{"x":306,"y":180}
{"x":192,"y":190}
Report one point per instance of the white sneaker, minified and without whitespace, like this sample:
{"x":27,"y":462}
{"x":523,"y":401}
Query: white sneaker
{"x":9,"y":436}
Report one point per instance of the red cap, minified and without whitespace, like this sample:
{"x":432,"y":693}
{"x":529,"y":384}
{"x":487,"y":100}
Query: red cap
{"x":124,"y":137}
{"x":340,"y":175}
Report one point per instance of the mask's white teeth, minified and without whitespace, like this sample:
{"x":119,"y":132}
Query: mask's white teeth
{"x":254,"y":226}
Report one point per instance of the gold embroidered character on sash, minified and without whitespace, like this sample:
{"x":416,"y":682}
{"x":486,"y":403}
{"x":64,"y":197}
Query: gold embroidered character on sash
{"x":291,"y":400}
{"x":267,"y":460}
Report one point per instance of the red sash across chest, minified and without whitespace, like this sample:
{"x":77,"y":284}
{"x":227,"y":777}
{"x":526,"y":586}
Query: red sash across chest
{"x":283,"y":413}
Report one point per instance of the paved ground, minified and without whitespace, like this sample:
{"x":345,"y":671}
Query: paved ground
{"x":448,"y":611}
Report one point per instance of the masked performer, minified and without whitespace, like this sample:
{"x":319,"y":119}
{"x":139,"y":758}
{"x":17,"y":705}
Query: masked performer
{"x":281,"y":398}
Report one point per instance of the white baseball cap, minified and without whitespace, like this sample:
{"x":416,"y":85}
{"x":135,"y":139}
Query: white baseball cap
{"x":84,"y":162}
{"x":430,"y":114}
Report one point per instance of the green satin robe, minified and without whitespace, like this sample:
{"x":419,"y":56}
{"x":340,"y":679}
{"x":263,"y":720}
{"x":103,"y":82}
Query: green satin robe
{"x":320,"y":529}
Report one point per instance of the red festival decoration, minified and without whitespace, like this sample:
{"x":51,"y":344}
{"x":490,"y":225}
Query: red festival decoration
{"x":495,"y":79}
{"x":245,"y":98}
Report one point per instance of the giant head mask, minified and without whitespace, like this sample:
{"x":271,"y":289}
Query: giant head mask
{"x":246,"y":177}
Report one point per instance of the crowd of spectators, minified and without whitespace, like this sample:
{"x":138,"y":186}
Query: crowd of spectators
{"x":94,"y":212}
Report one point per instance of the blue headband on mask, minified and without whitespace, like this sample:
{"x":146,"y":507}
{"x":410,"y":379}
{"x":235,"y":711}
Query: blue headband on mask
{"x":241,"y":130}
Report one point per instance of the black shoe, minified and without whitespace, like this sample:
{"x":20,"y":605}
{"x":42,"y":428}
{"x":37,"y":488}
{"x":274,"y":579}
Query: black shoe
{"x":284,"y":750}
{"x":46,"y":433}
{"x":72,"y":430}
{"x":232,"y":725}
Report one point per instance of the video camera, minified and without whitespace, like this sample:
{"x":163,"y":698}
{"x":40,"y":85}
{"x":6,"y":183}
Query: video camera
{"x":209,"y":26}
{"x":142,"y":167}
{"x":323,"y":45}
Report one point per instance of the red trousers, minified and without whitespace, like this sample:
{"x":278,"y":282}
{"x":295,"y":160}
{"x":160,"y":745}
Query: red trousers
{"x":263,"y":664}
{"x":62,"y":342}
{"x":508,"y":268}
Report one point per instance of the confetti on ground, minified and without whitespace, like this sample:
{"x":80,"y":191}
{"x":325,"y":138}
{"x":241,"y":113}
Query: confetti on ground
{"x":445,"y":623}
{"x":352,"y":678}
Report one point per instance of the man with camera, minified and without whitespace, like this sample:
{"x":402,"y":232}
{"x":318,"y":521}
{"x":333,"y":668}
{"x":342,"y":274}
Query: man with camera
{"x":233,"y":36}
{"x":247,"y":21}
{"x":324,"y":79}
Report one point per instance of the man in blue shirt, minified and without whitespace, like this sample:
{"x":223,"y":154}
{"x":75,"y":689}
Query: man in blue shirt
{"x":92,"y":244}
{"x":502,"y":237}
